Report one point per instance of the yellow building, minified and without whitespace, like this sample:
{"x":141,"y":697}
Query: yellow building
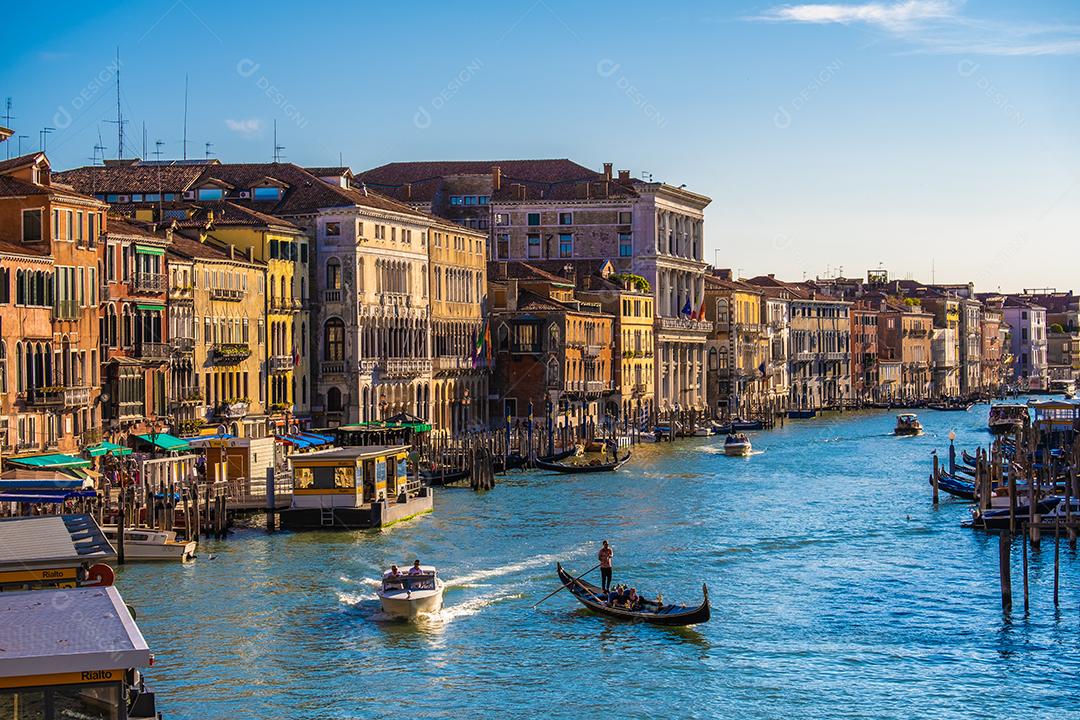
{"x":227,"y":289}
{"x":738,"y":347}
{"x":284,"y":248}
{"x":458,"y":299}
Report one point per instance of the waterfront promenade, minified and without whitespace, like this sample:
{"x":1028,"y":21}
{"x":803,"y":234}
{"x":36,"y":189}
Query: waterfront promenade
{"x":838,"y":592}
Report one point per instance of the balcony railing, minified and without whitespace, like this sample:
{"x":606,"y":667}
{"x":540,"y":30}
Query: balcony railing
{"x":76,"y":397}
{"x":400,"y":299}
{"x":332,"y":296}
{"x":152,"y":350}
{"x":592,"y":350}
{"x":284,"y":306}
{"x":149,"y":282}
{"x":226,"y":294}
{"x":131,"y":408}
{"x":185,"y":395}
{"x":452,"y":362}
{"x":230,"y":353}
{"x":671,"y":323}
{"x":281,"y":363}
{"x":333,"y":367}
{"x":43,"y":397}
{"x":405,"y":367}
{"x":366,"y":367}
{"x":232,"y":411}
{"x":183,"y":345}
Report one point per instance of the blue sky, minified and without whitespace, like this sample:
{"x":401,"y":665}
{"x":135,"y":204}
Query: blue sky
{"x":920,"y":134}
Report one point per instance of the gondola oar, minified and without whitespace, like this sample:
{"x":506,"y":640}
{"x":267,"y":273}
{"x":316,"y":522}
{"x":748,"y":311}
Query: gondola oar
{"x":563,"y":586}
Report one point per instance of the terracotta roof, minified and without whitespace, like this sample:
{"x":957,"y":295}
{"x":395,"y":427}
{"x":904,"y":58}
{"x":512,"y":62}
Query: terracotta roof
{"x":35,"y":250}
{"x":524,"y":271}
{"x":18,"y":162}
{"x":13,"y":187}
{"x":134,"y":228}
{"x":712,"y":281}
{"x":128,"y":179}
{"x":228,"y":214}
{"x":330,"y":171}
{"x":553,"y":179}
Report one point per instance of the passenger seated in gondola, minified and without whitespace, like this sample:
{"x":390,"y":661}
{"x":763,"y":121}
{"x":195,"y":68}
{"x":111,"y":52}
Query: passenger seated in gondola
{"x":633,"y":599}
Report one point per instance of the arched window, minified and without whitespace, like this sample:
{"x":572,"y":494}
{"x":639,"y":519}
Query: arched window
{"x":20,"y":289}
{"x":334,"y":340}
{"x":333,"y":400}
{"x":333,"y":274}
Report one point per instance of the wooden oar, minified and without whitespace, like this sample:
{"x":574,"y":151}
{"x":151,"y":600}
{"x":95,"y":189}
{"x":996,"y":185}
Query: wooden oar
{"x":563,"y":586}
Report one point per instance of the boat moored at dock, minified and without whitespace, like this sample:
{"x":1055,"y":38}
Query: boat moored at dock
{"x":149,"y":544}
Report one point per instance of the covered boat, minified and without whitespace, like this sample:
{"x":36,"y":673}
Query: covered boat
{"x":145,"y":543}
{"x":648,"y":611}
{"x":408,"y":594}
{"x":1006,"y":417}
{"x":908,"y":424}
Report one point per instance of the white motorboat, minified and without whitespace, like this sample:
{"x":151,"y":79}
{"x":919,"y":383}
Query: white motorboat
{"x":737,"y":445}
{"x":419,"y":591}
{"x":141,"y":543}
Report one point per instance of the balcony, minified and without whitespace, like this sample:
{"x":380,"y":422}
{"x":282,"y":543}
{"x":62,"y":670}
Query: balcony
{"x":226,"y":294}
{"x":285,"y":306}
{"x":592,"y":350}
{"x":332,"y":367}
{"x":183,"y":345}
{"x":450,"y":363}
{"x":152,"y":350}
{"x":281,"y":363}
{"x":43,"y":397}
{"x":232,"y":411}
{"x":398,"y":299}
{"x":405,"y":367}
{"x":671,"y":323}
{"x":66,"y":310}
{"x":149,"y":282}
{"x":332,"y":296}
{"x":638,"y":390}
{"x":366,"y":367}
{"x":186,"y":395}
{"x":76,"y":397}
{"x":131,"y":409}
{"x":230,"y":353}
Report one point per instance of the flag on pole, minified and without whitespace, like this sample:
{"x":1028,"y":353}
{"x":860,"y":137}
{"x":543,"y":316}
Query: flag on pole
{"x":701,"y":312}
{"x":686,"y":308}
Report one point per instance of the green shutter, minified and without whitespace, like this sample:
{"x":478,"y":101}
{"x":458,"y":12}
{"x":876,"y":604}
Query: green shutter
{"x":147,"y":250}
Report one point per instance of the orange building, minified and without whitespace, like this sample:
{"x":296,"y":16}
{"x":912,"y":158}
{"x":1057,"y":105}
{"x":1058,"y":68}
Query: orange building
{"x":55,"y":376}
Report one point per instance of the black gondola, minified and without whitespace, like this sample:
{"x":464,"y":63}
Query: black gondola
{"x":513,"y":461}
{"x":957,"y":487}
{"x":950,"y":406}
{"x":594,"y":598}
{"x":437,"y":476}
{"x":549,"y":464}
{"x":968,"y":458}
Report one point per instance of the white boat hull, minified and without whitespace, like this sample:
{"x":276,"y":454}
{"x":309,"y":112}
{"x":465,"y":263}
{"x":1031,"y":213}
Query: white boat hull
{"x":422,"y":602}
{"x":737,"y":449}
{"x":147,"y":551}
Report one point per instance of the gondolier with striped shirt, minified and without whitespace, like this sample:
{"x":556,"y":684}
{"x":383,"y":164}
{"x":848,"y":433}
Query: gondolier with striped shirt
{"x":604,"y":556}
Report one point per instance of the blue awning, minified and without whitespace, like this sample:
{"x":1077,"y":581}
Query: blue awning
{"x":44,"y":496}
{"x":314,"y":438}
{"x":8,"y":484}
{"x":295,"y":441}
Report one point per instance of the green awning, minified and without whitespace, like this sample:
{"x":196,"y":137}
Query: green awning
{"x":377,"y":426}
{"x":146,"y":250}
{"x":167,"y":442}
{"x":108,"y":447}
{"x":55,"y":460}
{"x":144,"y":306}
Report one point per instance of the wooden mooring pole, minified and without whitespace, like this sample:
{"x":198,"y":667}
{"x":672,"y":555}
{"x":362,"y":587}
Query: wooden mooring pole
{"x":1004,"y":571}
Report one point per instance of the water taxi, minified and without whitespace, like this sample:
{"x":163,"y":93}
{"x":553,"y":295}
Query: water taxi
{"x":737,"y":445}
{"x":908,"y":424}
{"x":419,"y":591}
{"x":1006,"y":417}
{"x":143,"y":543}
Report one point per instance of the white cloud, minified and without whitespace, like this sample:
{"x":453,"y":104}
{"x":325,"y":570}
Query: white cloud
{"x":936,"y":26}
{"x":888,"y":15}
{"x":249,"y":127}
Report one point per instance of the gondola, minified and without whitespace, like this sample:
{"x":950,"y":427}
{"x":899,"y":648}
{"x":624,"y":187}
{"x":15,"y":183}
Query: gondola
{"x":950,"y":407}
{"x":969,"y":458}
{"x":738,"y":424}
{"x":955,"y":486}
{"x":513,"y":461}
{"x":550,"y":464}
{"x":593,"y":598}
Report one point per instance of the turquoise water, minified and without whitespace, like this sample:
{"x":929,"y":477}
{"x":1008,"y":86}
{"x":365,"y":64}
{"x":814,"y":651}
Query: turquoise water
{"x":838,"y":591}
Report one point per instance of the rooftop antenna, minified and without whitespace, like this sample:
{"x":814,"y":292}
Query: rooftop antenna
{"x":158,"y":144}
{"x":8,"y":117}
{"x":43,"y":136}
{"x":119,"y":114}
{"x":277,"y":148}
{"x":144,"y":139}
{"x":185,"y":114}
{"x":208,"y":146}
{"x":933,"y":272}
{"x":339,"y":161}
{"x":101,"y":148}
{"x":20,"y":142}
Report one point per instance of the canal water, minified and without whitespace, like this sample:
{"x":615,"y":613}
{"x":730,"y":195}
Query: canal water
{"x":838,"y":591}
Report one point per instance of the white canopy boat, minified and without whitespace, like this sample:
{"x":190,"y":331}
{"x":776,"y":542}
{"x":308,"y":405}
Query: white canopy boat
{"x":411,"y":593}
{"x":142,"y":543}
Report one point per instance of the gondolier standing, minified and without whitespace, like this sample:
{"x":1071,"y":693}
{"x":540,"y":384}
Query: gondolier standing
{"x":604,"y":556}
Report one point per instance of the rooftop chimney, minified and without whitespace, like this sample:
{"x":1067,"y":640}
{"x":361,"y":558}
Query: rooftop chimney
{"x":519,"y":191}
{"x":496,"y":178}
{"x":624,"y":177}
{"x":607,"y":171}
{"x":407,"y":189}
